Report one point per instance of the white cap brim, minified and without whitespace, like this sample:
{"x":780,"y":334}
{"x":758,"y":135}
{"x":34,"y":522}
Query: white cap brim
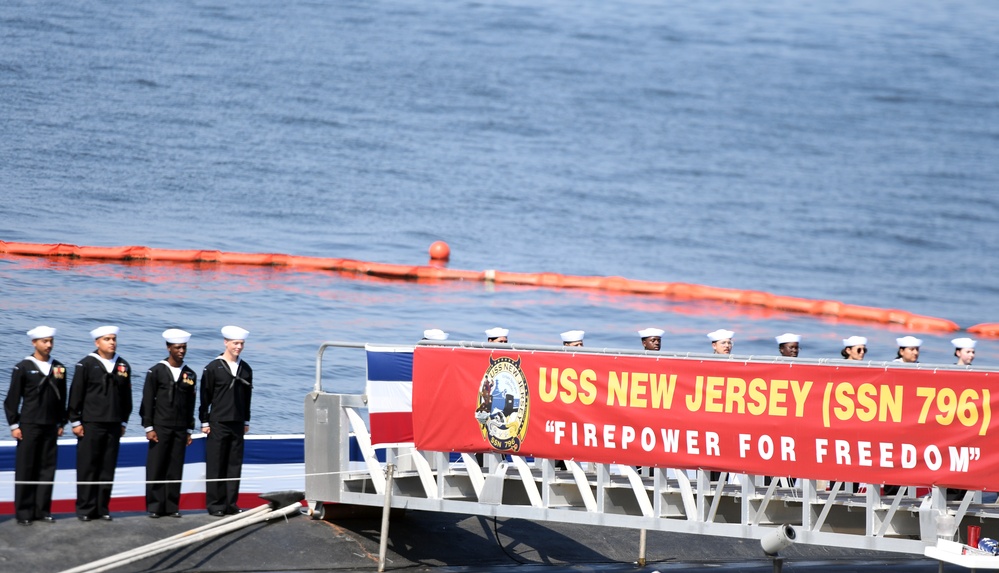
{"x":176,"y":336}
{"x":41,"y":332}
{"x":720,"y":334}
{"x":963,"y":343}
{"x":234,"y":333}
{"x":435,"y":334}
{"x":102,"y":331}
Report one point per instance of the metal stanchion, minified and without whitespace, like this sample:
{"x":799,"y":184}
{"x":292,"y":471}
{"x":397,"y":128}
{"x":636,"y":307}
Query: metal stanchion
{"x":383,"y":542}
{"x":641,"y":547}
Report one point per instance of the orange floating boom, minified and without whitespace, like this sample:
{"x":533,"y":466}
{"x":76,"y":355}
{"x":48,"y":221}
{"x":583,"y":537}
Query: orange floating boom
{"x":985,"y":329}
{"x":911,"y":321}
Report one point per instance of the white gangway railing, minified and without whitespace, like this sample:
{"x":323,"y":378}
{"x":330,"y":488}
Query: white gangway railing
{"x":663,"y":499}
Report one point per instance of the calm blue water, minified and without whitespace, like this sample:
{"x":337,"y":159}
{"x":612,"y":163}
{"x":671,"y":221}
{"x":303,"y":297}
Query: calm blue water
{"x":838,"y":150}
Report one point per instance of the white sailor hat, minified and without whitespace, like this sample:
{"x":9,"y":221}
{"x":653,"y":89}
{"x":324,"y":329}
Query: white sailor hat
{"x":435,"y":334}
{"x":497,"y":332}
{"x":963,"y":343}
{"x":176,"y":336}
{"x":720,"y":334}
{"x":573,"y":335}
{"x":102,"y":331}
{"x":855,"y":341}
{"x":41,"y":332}
{"x":234,"y":333}
{"x":787,"y":337}
{"x":647,"y":332}
{"x":908,"y":342}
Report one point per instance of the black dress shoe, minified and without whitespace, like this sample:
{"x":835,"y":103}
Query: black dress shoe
{"x":175,"y":514}
{"x":154,"y":515}
{"x":24,"y":522}
{"x":106,"y":517}
{"x":48,"y":519}
{"x":233,"y":511}
{"x":83,"y":517}
{"x":216,"y":513}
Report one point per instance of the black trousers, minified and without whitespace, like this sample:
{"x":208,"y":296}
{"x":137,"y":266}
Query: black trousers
{"x":96,"y":460}
{"x":223,"y":459}
{"x":35,"y":460}
{"x":165,"y":461}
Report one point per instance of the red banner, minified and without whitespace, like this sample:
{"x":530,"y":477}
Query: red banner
{"x":866,"y":424}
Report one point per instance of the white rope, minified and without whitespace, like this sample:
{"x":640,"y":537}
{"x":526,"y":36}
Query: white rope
{"x":198,"y":480}
{"x":256,"y":515}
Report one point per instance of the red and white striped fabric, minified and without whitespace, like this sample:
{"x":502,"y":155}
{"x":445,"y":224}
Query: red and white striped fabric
{"x":270,"y":463}
{"x":390,"y":395}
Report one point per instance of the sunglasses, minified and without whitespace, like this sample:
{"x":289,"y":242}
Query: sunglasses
{"x":861,"y":349}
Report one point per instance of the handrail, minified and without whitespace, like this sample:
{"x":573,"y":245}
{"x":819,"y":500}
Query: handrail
{"x":743,"y":358}
{"x":319,"y":359}
{"x":749,"y":358}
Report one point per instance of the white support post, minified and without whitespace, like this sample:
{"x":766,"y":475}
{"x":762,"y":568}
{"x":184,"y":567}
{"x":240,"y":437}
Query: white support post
{"x":527,"y":478}
{"x":474,"y":473}
{"x":364,"y":444}
{"x":583,"y":485}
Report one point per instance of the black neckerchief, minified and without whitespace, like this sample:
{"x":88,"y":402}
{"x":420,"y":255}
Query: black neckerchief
{"x":51,"y":382}
{"x":48,"y":379}
{"x":235,"y":377}
{"x":173,"y":383}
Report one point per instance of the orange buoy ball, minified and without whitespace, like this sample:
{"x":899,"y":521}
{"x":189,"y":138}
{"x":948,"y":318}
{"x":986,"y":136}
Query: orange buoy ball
{"x":439,"y":251}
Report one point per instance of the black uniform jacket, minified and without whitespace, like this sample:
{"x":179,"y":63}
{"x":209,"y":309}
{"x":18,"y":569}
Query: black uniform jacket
{"x":44,"y":397}
{"x":99,"y":396}
{"x":224,"y":397}
{"x":166,"y":402}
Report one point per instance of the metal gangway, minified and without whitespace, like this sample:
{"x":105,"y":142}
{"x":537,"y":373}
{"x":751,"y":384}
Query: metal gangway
{"x":682,"y":500}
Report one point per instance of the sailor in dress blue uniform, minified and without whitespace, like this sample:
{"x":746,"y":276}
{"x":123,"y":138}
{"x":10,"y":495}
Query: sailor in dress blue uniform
{"x":226,"y":389}
{"x":36,"y":411}
{"x":100,"y":402}
{"x":167,"y":412}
